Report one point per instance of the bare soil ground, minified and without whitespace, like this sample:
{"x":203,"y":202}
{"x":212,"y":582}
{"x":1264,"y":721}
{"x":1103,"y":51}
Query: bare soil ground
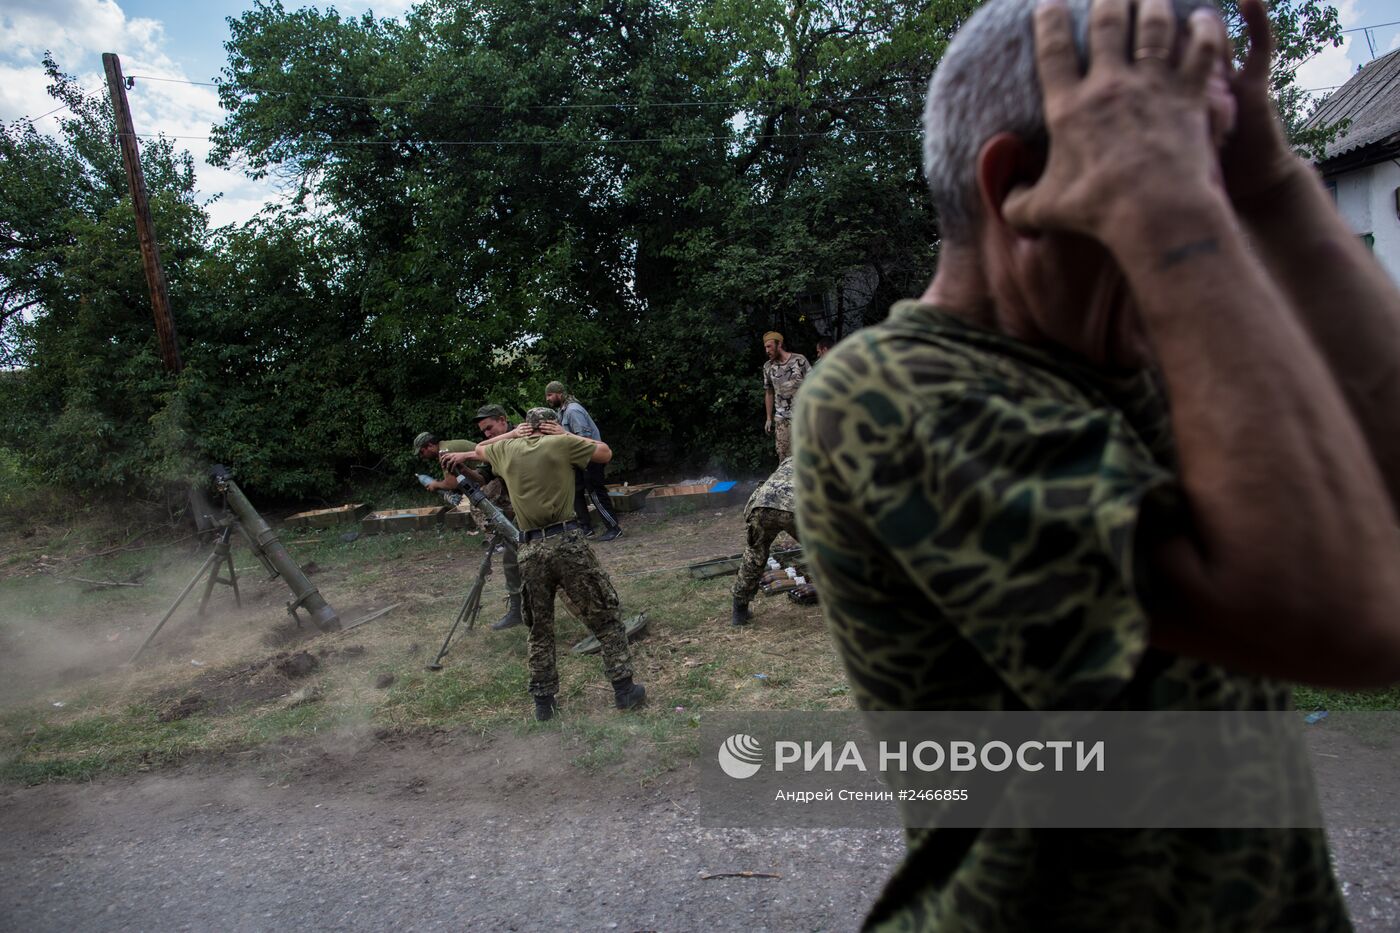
{"x":310,"y":791}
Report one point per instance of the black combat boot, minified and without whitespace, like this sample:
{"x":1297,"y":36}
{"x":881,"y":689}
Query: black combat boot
{"x":741,"y":614}
{"x":627,"y":694}
{"x":545,"y":708}
{"x":512,"y":617}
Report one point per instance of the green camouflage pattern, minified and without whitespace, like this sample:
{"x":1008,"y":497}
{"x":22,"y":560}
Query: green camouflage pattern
{"x":970,"y":505}
{"x":761,"y":526}
{"x":776,"y":492}
{"x":567,"y":562}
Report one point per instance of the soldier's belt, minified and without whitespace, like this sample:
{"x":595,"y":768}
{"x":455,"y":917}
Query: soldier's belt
{"x":548,"y":531}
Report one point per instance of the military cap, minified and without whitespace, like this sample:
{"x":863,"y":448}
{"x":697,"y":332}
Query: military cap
{"x":773,"y":335}
{"x":556,"y":386}
{"x":535,"y":415}
{"x":422,"y":440}
{"x":490,"y":411}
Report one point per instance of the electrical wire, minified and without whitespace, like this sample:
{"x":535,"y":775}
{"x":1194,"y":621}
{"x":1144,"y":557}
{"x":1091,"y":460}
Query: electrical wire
{"x":610,"y":105}
{"x":554,"y":142}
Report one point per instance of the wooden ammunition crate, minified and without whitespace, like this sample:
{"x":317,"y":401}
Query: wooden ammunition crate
{"x":629,"y":498}
{"x":326,"y":518}
{"x":394,"y":520}
{"x":459,"y":519}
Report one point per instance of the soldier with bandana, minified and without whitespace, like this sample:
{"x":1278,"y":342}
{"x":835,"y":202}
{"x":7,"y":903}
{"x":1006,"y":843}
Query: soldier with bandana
{"x":783,"y":373}
{"x":537,"y":459}
{"x":770,"y":511}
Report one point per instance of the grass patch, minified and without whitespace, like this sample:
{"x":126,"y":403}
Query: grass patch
{"x":87,"y":747}
{"x":691,"y":661}
{"x":1313,"y":698}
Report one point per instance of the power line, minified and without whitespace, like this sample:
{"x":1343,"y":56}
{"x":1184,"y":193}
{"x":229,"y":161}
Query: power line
{"x":1372,"y":26}
{"x":614,"y":105}
{"x":558,"y":142}
{"x":49,"y":114}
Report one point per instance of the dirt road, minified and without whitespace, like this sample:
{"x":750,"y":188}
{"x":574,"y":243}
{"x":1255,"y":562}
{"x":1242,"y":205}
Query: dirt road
{"x":416,"y":836}
{"x":461,"y":833}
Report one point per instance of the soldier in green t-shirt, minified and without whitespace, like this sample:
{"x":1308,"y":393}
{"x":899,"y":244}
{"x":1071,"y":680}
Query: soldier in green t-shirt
{"x":537,"y":460}
{"x":429,"y":447}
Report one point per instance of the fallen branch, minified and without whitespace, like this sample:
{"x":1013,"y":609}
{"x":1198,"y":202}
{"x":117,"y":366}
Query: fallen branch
{"x":740,"y":874}
{"x":97,"y":582}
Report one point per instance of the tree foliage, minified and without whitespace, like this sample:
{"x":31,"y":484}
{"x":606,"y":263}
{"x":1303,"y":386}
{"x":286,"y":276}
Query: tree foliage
{"x":620,"y":194}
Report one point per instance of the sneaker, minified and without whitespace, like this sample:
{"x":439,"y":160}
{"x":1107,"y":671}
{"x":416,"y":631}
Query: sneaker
{"x":545,"y":708}
{"x":611,"y":534}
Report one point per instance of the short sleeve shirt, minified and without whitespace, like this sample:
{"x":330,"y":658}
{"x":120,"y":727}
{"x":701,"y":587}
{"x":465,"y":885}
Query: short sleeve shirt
{"x":540,"y":474}
{"x":784,"y":379}
{"x":971,"y":507}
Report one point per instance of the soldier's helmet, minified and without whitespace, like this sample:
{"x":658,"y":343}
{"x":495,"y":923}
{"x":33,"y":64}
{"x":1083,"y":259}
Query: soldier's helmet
{"x":535,"y":415}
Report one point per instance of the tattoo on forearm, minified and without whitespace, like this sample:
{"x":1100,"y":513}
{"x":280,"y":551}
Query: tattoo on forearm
{"x":1180,"y":254}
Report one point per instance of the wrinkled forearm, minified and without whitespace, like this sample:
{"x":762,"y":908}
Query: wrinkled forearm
{"x":1293,"y":532}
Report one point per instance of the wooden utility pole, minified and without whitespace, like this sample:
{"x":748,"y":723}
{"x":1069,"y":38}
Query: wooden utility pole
{"x":145,"y":230}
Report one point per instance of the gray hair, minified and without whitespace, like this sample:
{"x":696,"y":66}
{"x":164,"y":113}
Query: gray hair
{"x":986,"y":84}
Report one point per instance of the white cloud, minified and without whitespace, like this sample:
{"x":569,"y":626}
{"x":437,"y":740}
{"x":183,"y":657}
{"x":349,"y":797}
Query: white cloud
{"x":382,"y":9}
{"x":1333,"y":65}
{"x":78,"y":32}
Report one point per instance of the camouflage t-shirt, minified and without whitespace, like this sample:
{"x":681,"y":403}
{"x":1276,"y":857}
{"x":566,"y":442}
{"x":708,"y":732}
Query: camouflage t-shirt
{"x":784,"y":379}
{"x":775,"y":492}
{"x":971,"y":507}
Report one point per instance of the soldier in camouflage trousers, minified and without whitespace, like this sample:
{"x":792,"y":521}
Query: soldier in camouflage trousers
{"x":770,"y":510}
{"x":566,"y":562}
{"x":537,"y":460}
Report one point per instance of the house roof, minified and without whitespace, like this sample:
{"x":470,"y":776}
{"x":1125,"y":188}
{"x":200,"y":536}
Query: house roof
{"x":1371,"y":101}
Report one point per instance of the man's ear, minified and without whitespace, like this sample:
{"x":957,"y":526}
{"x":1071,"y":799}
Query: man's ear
{"x":1004,"y":163}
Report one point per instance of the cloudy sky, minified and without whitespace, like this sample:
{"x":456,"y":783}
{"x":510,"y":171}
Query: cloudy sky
{"x":183,"y":40}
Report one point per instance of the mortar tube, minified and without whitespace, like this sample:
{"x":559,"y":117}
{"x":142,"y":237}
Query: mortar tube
{"x":261,"y":533}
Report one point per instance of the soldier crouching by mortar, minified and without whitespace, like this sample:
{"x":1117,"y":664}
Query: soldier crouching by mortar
{"x":430,"y":448}
{"x":537,"y":460}
{"x":770,"y":510}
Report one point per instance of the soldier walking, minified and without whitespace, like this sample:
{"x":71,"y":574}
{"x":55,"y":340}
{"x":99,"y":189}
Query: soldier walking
{"x":770,"y":510}
{"x":537,"y":460}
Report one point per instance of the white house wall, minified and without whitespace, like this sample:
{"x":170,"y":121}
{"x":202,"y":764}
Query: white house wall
{"x":1366,"y":198}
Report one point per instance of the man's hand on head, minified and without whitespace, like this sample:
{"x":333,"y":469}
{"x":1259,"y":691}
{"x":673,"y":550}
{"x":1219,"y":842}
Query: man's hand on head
{"x":1133,"y":135}
{"x":1256,"y":158}
{"x":551,"y":427}
{"x":451,"y":461}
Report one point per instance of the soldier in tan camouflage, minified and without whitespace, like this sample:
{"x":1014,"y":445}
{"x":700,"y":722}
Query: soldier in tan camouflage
{"x":782,"y":375}
{"x":537,"y":459}
{"x":770,"y":510}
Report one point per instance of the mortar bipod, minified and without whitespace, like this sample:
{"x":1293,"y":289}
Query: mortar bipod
{"x":222,"y":553}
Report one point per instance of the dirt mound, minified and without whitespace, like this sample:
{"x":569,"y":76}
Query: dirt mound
{"x":262,"y":681}
{"x":297,"y":665}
